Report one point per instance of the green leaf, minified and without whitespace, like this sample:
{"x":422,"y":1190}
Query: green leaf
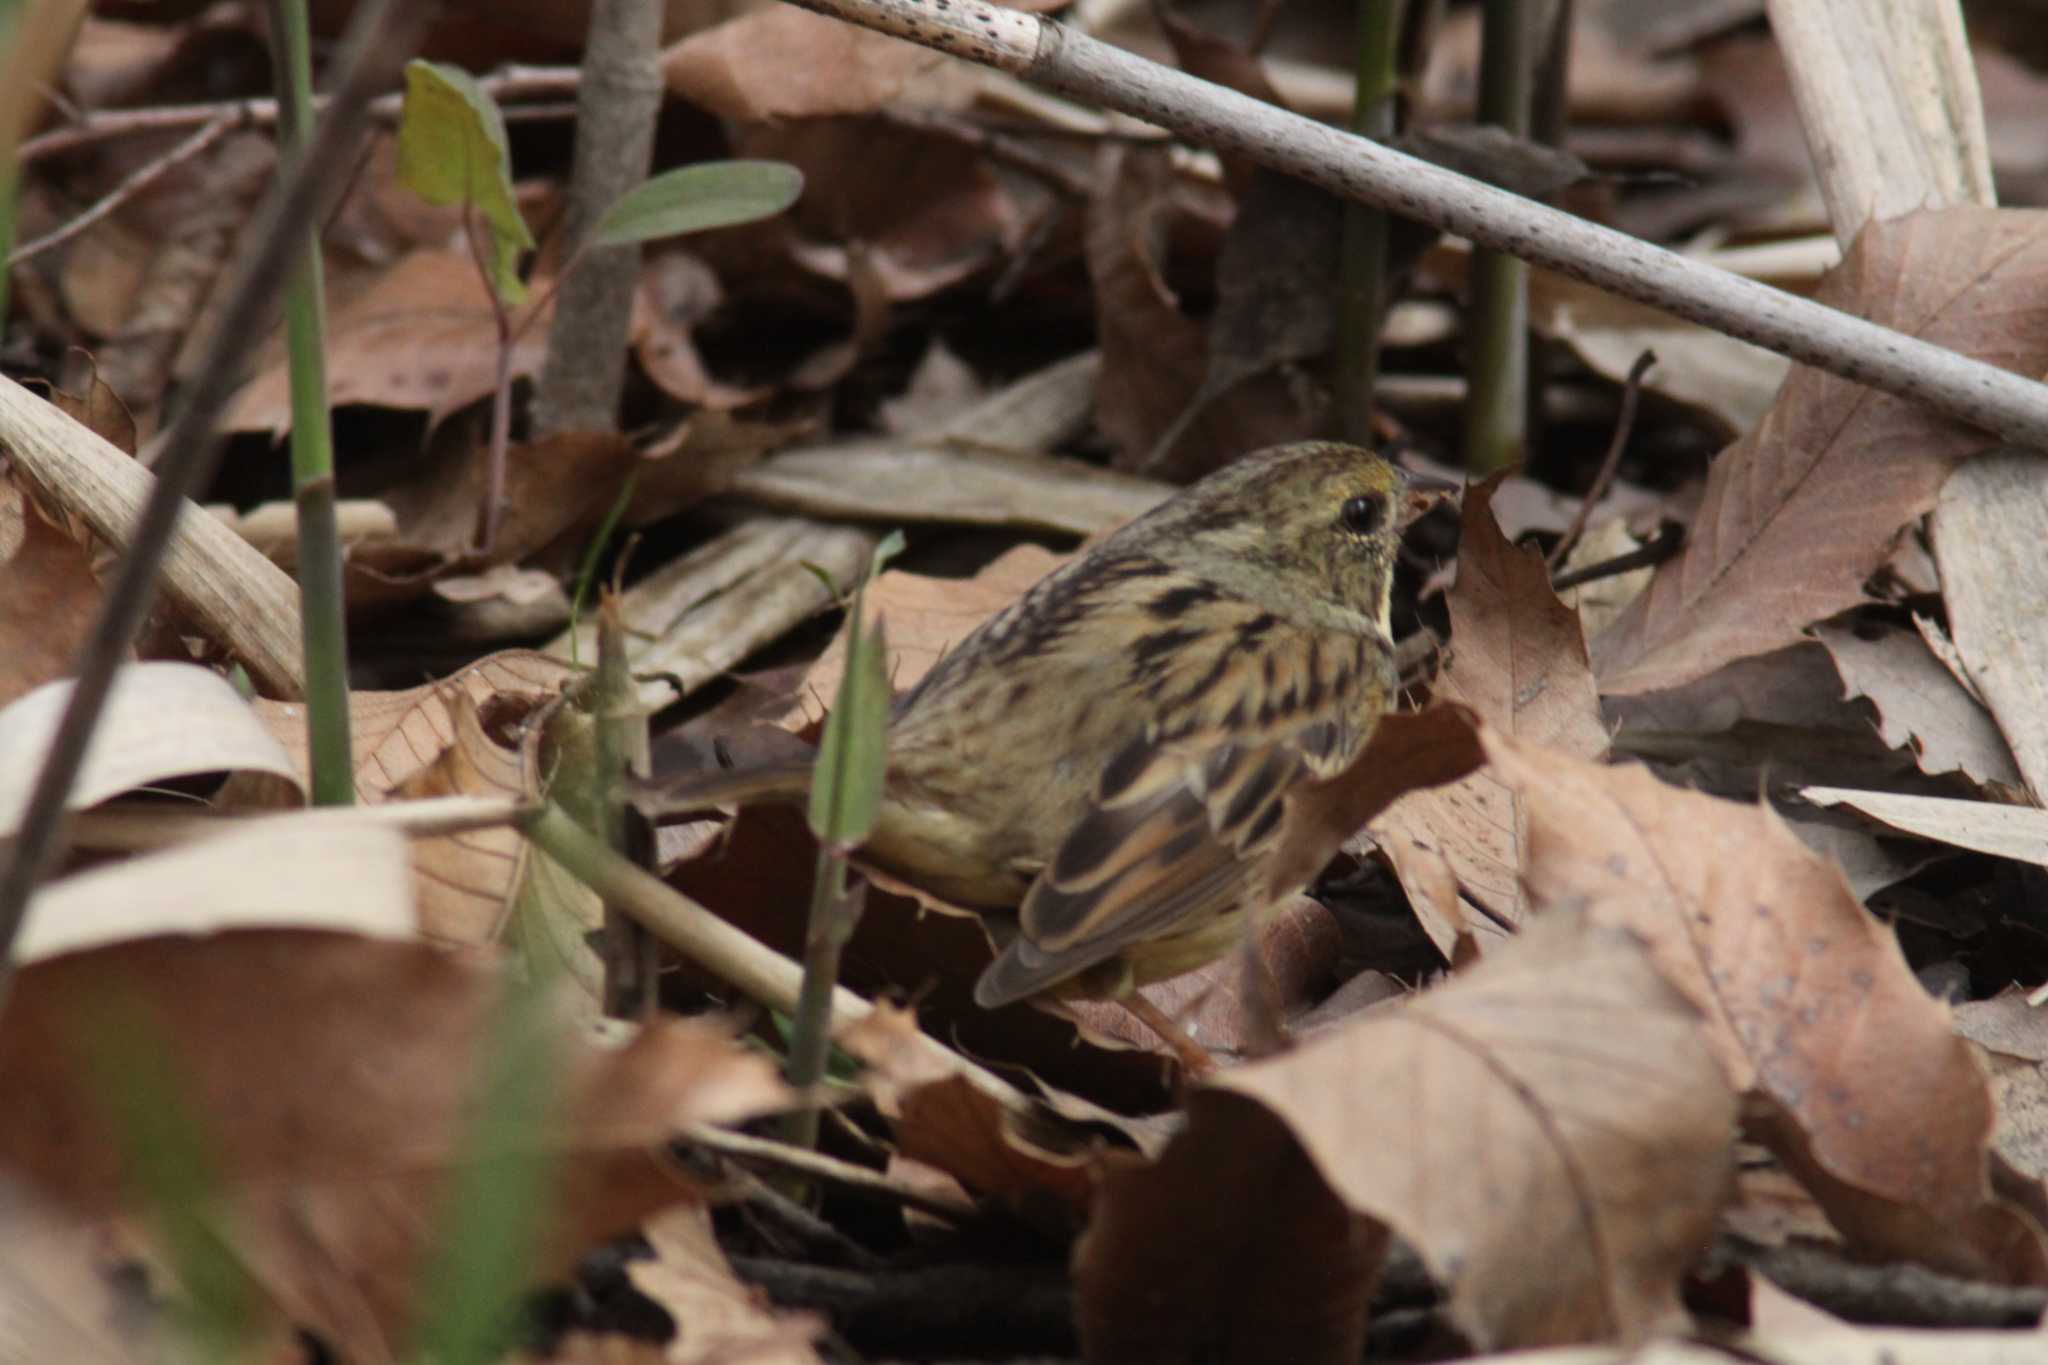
{"x":452,"y":150}
{"x":846,"y":790}
{"x":891,"y":546}
{"x":712,"y":194}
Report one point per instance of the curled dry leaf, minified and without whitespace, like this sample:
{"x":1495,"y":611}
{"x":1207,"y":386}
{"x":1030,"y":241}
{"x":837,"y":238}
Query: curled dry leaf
{"x":299,"y":871}
{"x":1153,"y":355}
{"x":443,"y":739}
{"x":332,"y":1080}
{"x":1799,"y":513}
{"x":1812,"y":1011}
{"x":1549,"y":1130}
{"x":162,"y":721}
{"x":1518,"y":660}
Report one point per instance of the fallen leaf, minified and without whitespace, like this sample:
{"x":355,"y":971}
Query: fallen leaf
{"x":331,"y":1081}
{"x":1153,"y":354}
{"x":52,"y":595}
{"x":423,"y":338}
{"x":161,"y":721}
{"x":1812,"y":1011}
{"x":1518,"y":660}
{"x":1988,"y":512}
{"x":717,"y":1318}
{"x":1921,"y":708}
{"x":303,"y":871}
{"x":2019,"y":832}
{"x":1549,"y":1130}
{"x":1800,"y":513}
{"x":787,"y":63}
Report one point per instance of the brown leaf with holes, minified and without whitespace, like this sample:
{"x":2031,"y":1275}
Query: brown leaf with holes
{"x":467,"y":735}
{"x":1811,"y":1008}
{"x":1801,"y":512}
{"x":1518,"y":661}
{"x":332,"y":1082}
{"x":1549,"y":1130}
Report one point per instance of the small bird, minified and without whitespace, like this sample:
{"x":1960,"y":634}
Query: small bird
{"x":1109,"y":757}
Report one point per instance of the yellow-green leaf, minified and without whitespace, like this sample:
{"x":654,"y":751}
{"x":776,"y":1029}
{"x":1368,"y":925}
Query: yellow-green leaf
{"x":452,"y":150}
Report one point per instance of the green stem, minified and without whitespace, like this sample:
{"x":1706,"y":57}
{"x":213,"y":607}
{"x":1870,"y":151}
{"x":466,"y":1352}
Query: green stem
{"x":810,"y":1036}
{"x":1496,"y":407}
{"x":1362,"y":268}
{"x":323,"y":614}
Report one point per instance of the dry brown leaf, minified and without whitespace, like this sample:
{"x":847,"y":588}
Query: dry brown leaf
{"x":161,"y":721}
{"x":1990,"y":518}
{"x":551,"y":485}
{"x":940,"y":215}
{"x":51,"y":598}
{"x":331,"y":1080}
{"x":1776,"y":718}
{"x":1549,"y":1131}
{"x":395,"y":734}
{"x":926,"y":617}
{"x":423,"y":338}
{"x":677,"y":292}
{"x":1517,"y":659}
{"x":1807,"y":507}
{"x":2013,"y":1035}
{"x":65,"y":1296}
{"x":98,"y":408}
{"x":444,"y":739}
{"x":718,"y":1319}
{"x":1153,"y":355}
{"x":1300,"y":945}
{"x":1921,"y":708}
{"x":906,"y":946}
{"x":1029,"y":1161}
{"x":1812,"y":1009}
{"x":1730,"y":380}
{"x":2018,"y":832}
{"x":787,"y":63}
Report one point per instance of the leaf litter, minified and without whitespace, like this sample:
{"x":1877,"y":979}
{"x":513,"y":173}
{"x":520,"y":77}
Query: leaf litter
{"x":1558,"y":1053}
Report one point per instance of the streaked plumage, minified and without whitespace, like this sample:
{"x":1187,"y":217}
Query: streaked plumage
{"x":1111,"y":754}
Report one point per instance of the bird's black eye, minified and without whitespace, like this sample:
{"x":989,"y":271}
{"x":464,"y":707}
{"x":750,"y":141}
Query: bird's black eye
{"x":1362,"y":516}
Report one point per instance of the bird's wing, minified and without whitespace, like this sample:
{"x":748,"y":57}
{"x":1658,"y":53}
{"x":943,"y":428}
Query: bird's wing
{"x":1247,"y":706}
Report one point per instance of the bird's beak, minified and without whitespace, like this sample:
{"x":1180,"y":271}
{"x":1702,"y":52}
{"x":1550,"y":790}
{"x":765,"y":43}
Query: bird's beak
{"x":1424,"y":491}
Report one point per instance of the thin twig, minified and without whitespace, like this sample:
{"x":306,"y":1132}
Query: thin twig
{"x":126,"y":190}
{"x":103,"y":125}
{"x":1624,"y":423}
{"x":819,"y":1166}
{"x":1661,"y":548}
